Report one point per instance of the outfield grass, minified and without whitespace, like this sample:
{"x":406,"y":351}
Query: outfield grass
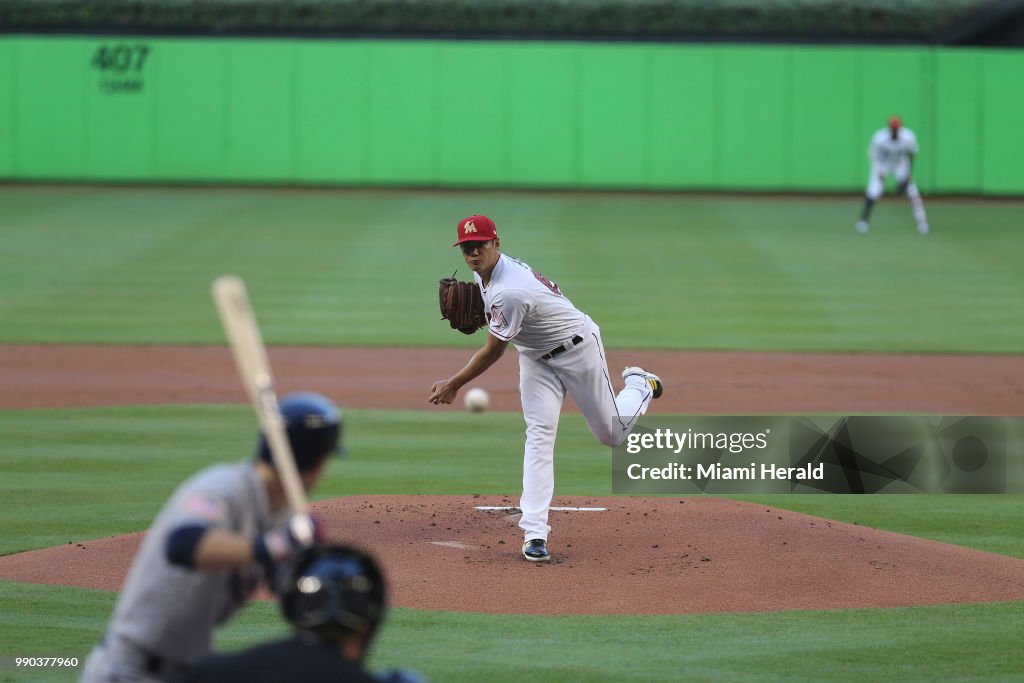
{"x":360,"y":267}
{"x":948,"y":643}
{"x":109,"y":265}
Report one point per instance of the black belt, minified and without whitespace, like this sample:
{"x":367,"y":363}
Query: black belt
{"x":151,"y":662}
{"x":563,"y":348}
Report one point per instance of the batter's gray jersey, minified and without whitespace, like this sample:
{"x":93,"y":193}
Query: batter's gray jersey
{"x":170,"y":610}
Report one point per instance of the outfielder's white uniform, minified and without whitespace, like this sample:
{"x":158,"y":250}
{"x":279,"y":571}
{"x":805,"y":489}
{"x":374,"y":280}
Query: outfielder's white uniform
{"x":892,"y":154}
{"x":890,"y":158}
{"x":528,"y":310}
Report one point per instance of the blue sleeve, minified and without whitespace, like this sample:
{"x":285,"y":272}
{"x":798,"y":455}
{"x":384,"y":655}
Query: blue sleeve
{"x":182,"y":542}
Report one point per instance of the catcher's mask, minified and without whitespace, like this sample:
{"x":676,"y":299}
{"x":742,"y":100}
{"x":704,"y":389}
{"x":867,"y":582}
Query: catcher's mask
{"x":313,"y":424}
{"x":332,"y":591}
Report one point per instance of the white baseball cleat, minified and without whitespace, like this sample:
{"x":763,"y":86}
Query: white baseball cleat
{"x":923,"y":228}
{"x":652,"y":380}
{"x":862,"y":227}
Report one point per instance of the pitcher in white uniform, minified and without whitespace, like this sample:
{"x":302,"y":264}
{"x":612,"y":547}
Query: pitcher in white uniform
{"x":560,"y":350}
{"x":892,"y":153}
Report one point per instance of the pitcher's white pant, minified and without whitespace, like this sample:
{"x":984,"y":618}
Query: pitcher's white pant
{"x":581,"y":371}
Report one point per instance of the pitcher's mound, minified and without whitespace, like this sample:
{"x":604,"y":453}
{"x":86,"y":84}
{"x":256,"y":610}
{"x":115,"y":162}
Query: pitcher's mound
{"x":638,"y":556}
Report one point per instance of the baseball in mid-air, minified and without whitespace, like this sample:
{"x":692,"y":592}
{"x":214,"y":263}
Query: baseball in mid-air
{"x":477,"y":400}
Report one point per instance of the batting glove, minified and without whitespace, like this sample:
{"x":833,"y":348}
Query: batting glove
{"x":280,"y":545}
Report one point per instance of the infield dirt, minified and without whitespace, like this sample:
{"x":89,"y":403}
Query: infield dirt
{"x":658,"y":556}
{"x":639,"y":556}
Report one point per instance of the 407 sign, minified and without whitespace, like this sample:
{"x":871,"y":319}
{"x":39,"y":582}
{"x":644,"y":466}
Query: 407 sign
{"x":120,"y":66}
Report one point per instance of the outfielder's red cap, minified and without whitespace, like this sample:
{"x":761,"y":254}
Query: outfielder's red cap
{"x":895,"y":122}
{"x":476,"y":228}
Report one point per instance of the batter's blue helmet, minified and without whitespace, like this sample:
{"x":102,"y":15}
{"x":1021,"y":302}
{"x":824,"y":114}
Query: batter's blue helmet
{"x":313,"y":424}
{"x":334,"y":590}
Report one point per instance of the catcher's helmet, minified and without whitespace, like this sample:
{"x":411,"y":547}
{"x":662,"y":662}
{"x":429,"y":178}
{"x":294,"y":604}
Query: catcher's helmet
{"x":313,"y":424}
{"x":333,"y":590}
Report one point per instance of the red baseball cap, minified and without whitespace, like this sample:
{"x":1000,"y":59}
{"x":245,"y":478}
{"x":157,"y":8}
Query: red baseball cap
{"x":895,"y":122}
{"x":476,"y":228}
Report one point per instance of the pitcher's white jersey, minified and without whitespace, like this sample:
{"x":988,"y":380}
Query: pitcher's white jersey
{"x":560,"y":351}
{"x":527,"y":309}
{"x":891,"y":156}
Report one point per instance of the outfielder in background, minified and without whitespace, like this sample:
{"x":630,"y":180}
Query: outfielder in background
{"x":892,"y":153}
{"x":335,"y":598}
{"x":222,"y":531}
{"x":560,"y":350}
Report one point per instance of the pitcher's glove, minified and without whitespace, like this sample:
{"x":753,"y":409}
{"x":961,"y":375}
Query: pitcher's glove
{"x":462,"y":305}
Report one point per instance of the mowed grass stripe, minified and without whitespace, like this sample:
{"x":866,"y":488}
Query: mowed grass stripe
{"x":957,"y":642}
{"x":110,"y":265}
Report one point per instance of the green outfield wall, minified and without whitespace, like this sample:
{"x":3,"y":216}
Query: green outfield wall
{"x":526,"y":114}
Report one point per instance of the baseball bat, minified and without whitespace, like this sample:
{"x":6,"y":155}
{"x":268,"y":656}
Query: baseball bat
{"x":239,"y":322}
